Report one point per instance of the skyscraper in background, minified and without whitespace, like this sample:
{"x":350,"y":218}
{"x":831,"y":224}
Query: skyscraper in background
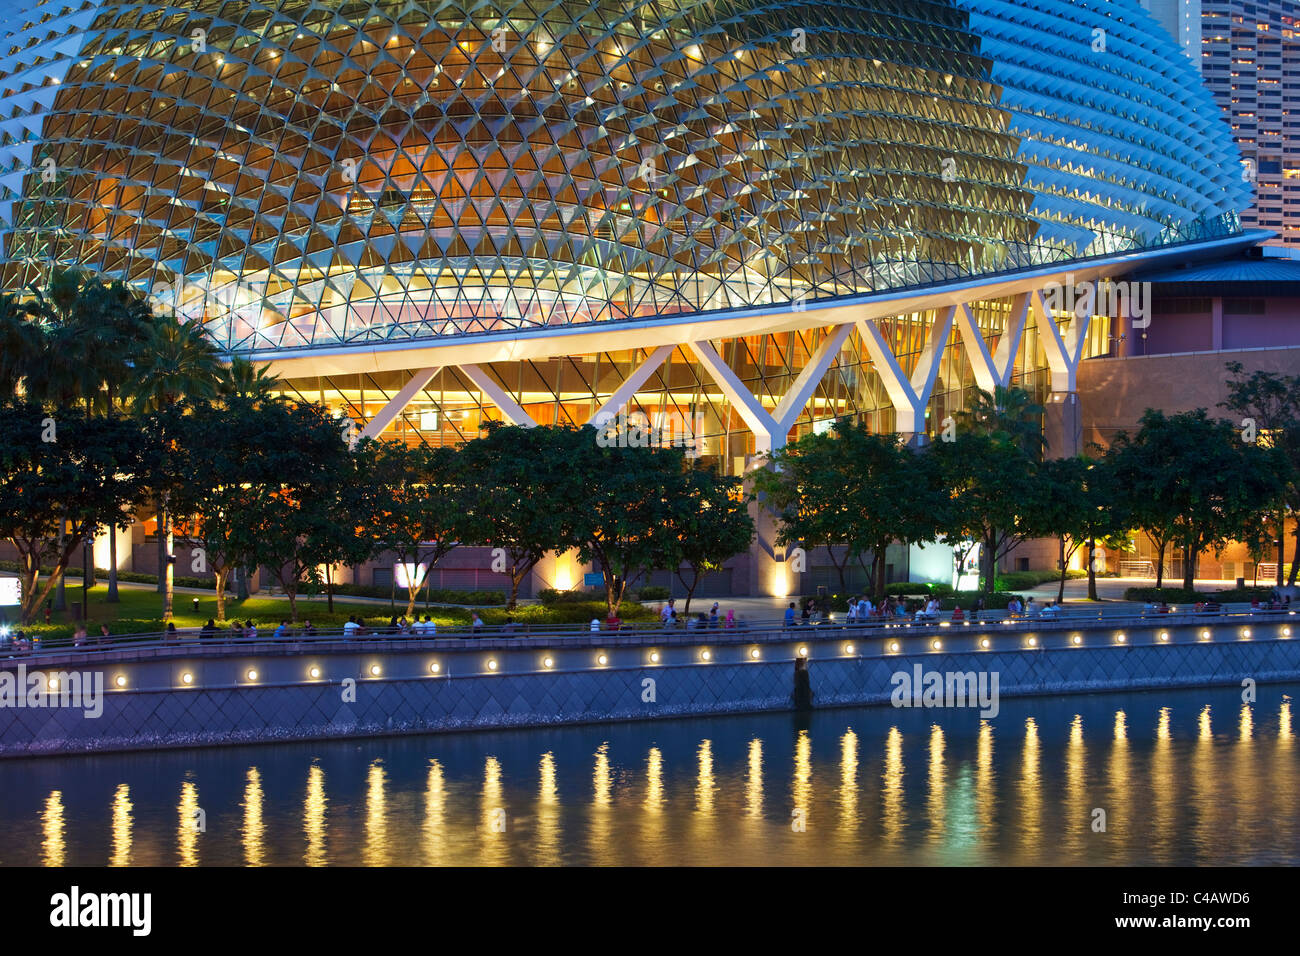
{"x":1249,"y":55}
{"x":1182,"y":20}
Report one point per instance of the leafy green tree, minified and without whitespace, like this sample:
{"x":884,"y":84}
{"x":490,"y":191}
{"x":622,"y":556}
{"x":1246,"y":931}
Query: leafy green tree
{"x":996,"y":495}
{"x":1141,"y":470}
{"x":870,"y":489}
{"x":631,"y":500}
{"x":414,"y":504}
{"x":75,"y":340}
{"x":221,"y":468}
{"x":711,"y":526}
{"x":522,"y":489}
{"x":804,"y":486}
{"x":1081,"y":505}
{"x":21,"y":345}
{"x":176,"y":367}
{"x":1204,"y":483}
{"x":335,"y":533}
{"x":242,"y":379}
{"x":299,"y":513}
{"x":1009,"y":414}
{"x":63,"y":478}
{"x":1269,"y":404}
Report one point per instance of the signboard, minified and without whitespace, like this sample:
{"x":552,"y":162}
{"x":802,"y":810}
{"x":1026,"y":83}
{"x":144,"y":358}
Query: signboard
{"x":593,"y":580}
{"x":11,"y":592}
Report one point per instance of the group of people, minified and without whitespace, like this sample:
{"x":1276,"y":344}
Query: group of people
{"x":669,"y":616}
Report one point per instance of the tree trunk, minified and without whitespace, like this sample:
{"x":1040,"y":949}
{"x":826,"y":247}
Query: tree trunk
{"x":990,"y":563}
{"x":612,"y":600}
{"x":516,"y":578}
{"x":112,"y":598}
{"x":60,"y":600}
{"x":1060,"y":591}
{"x":1091,"y":545}
{"x":1295,"y":555}
{"x":160,"y":587}
{"x":1160,"y":562}
{"x":168,"y":573}
{"x":878,"y":575}
{"x":1190,"y":554}
{"x":690,"y":588}
{"x":1281,"y":548}
{"x":221,"y":576}
{"x":329,"y":588}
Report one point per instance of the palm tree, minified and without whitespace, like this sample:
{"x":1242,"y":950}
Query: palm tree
{"x":1008,"y":413}
{"x":21,"y":344}
{"x":254,"y":383}
{"x":176,"y":363}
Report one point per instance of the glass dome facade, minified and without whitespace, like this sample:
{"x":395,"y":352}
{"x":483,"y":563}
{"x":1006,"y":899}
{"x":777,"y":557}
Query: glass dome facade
{"x":299,"y":174}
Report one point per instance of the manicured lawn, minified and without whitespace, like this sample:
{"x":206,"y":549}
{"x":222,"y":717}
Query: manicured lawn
{"x":139,"y":611}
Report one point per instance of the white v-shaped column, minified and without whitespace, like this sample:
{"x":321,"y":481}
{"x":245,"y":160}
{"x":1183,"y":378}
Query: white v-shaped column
{"x":502,"y":399}
{"x":631,"y":385}
{"x":993,"y":370}
{"x":771,"y":428}
{"x":910,"y":396}
{"x":1063,"y":351}
{"x":398,"y":402}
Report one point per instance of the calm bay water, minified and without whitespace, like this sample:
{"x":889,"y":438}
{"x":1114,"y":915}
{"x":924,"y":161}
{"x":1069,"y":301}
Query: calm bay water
{"x":1184,"y":777}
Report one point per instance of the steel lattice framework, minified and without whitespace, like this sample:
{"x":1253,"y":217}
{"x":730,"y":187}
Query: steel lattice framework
{"x":300,"y":173}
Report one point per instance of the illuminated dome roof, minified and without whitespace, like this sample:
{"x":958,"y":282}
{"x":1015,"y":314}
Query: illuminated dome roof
{"x":303,"y":173}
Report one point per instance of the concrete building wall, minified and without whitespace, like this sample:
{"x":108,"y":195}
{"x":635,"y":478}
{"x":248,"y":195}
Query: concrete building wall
{"x":1115,"y":391}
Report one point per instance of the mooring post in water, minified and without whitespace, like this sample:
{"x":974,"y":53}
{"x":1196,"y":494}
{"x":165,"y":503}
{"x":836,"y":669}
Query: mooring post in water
{"x":803,"y":694}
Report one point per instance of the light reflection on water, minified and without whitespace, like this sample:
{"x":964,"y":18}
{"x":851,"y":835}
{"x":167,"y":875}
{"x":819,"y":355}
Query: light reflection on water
{"x":1180,"y":777}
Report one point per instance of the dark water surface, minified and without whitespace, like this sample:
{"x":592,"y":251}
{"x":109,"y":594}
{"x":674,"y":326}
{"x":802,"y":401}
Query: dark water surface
{"x":1184,"y":777}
